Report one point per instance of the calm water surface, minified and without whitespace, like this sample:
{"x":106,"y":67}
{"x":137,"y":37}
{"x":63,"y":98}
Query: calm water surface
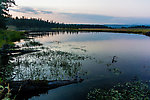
{"x":132,"y":60}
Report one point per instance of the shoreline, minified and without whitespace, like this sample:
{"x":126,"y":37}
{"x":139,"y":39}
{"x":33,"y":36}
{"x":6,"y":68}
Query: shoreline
{"x":134,"y":31}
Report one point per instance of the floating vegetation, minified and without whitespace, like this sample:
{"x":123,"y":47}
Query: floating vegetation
{"x":84,"y":50}
{"x":116,"y":71}
{"x":48,"y":65}
{"x":75,"y":48}
{"x":56,"y":47}
{"x":32,"y":43}
{"x":58,"y":42}
{"x":128,"y":91}
{"x":112,"y":68}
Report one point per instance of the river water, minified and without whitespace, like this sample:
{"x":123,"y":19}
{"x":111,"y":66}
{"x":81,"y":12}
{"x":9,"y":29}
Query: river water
{"x":111,"y":58}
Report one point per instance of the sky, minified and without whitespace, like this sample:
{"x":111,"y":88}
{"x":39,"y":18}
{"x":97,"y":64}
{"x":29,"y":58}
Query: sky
{"x":86,"y":11}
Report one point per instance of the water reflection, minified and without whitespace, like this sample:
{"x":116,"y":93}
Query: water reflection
{"x":42,"y":34}
{"x":115,"y":57}
{"x":49,"y":65}
{"x":105,"y":58}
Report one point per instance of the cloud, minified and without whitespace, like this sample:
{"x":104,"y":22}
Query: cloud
{"x":31,"y":10}
{"x":87,"y":17}
{"x":93,"y":18}
{"x":46,"y":12}
{"x":79,"y":17}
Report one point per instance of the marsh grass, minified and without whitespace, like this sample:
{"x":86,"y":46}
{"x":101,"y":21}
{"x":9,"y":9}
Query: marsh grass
{"x":132,"y":30}
{"x":8,"y":37}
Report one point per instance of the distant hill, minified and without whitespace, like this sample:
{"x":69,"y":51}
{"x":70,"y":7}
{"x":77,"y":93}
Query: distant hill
{"x":140,"y":26}
{"x":128,"y":26}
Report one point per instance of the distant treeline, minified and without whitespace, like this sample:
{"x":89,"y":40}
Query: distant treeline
{"x":29,"y":23}
{"x":140,"y":26}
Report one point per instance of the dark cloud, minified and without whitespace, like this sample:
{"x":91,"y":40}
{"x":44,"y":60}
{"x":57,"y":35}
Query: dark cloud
{"x":31,"y":10}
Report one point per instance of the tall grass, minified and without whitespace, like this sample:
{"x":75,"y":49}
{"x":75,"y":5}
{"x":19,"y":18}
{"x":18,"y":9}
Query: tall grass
{"x":8,"y":37}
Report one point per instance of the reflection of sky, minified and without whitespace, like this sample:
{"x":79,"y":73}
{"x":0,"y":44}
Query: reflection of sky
{"x":130,"y":48}
{"x":107,"y":43}
{"x":81,"y":37}
{"x":133,"y":60}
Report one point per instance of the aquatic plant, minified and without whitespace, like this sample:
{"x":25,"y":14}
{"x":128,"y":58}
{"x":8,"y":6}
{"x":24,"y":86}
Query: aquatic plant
{"x":112,"y":68}
{"x":84,"y":50}
{"x":32,"y":43}
{"x":129,"y":91}
{"x":48,"y":65}
{"x":116,"y":71}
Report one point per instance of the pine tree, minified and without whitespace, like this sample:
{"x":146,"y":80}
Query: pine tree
{"x":4,"y":11}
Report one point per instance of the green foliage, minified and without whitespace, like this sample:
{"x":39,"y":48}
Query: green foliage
{"x":6,"y":95}
{"x":8,"y":37}
{"x":128,"y":91}
{"x":1,"y":80}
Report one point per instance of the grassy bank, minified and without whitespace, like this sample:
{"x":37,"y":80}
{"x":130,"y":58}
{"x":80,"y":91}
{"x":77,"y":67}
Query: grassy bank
{"x":8,"y":37}
{"x":119,"y":30}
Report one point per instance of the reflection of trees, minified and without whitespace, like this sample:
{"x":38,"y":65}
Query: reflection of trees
{"x":48,"y":65}
{"x":42,"y":34}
